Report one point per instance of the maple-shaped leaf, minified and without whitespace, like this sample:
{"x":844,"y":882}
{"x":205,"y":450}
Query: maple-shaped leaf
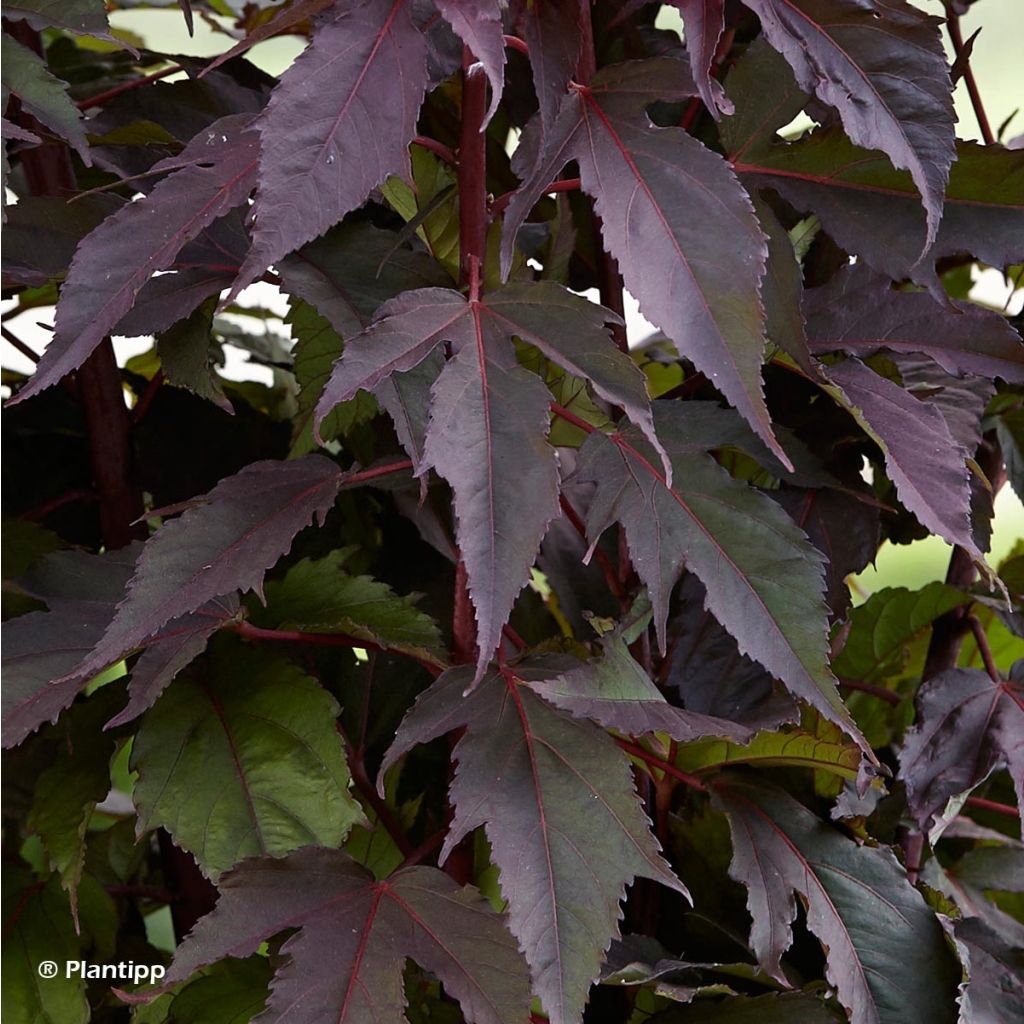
{"x":86,"y":17}
{"x":557,"y":801}
{"x":865,"y":203}
{"x":931,"y":478}
{"x":114,"y":262}
{"x":489,"y":417}
{"x":478,"y":24}
{"x":858,"y":312}
{"x":551,"y":29}
{"x":967,"y":726}
{"x":43,"y":95}
{"x":763,"y":577}
{"x":362,"y":931}
{"x":202,"y":755}
{"x":839,"y":50}
{"x":222,"y":543}
{"x":325,"y":142}
{"x":704,"y":21}
{"x":885,"y":951}
{"x":648,"y":185}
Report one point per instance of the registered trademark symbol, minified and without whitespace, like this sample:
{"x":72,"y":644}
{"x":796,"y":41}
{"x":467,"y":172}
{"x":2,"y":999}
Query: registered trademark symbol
{"x":48,"y":969}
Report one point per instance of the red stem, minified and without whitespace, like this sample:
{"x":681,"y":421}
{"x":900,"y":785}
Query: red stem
{"x":472,"y":169}
{"x":957,"y":39}
{"x":661,"y":764}
{"x":889,"y":696}
{"x":296,"y":636}
{"x":981,"y":640}
{"x":438,"y":148}
{"x":610,"y":575}
{"x":563,"y":185}
{"x":142,"y":406}
{"x":13,"y":339}
{"x":105,"y":97}
{"x":515,"y":43}
{"x":991,"y":805}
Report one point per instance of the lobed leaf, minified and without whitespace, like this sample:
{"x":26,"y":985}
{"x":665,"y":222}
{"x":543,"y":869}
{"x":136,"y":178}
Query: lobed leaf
{"x":367,"y":929}
{"x":885,"y":952}
{"x":564,"y":823}
{"x":241,"y":758}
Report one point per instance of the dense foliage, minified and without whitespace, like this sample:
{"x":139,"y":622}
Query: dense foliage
{"x":481,"y":663}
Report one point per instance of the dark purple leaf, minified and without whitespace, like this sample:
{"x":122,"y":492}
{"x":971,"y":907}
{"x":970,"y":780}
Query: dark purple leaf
{"x":763,"y":577}
{"x":858,"y":312}
{"x":488,"y":438}
{"x":566,"y":829}
{"x":967,"y":726}
{"x":366,"y":929}
{"x":186,"y":10}
{"x":221,"y":544}
{"x":704,"y":21}
{"x":286,"y":17}
{"x":176,"y":645}
{"x":325,"y":140}
{"x":478,"y":24}
{"x":994,"y":990}
{"x":552,"y":31}
{"x":86,"y":17}
{"x":115,"y":261}
{"x":885,"y":952}
{"x":651,"y":187}
{"x":43,"y":649}
{"x":924,"y":462}
{"x":841,"y":50}
{"x":42,"y":95}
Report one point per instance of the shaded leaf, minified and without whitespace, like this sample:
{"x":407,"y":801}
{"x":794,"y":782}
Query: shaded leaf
{"x":222,"y":543}
{"x":994,"y":990}
{"x":838,"y":50}
{"x":86,"y":17}
{"x":859,"y":313}
{"x":565,"y":826}
{"x":232,"y":991}
{"x":967,"y":726}
{"x":186,"y":352}
{"x":43,"y":649}
{"x":776,"y":1008}
{"x":39,"y":927}
{"x":921,"y":458}
{"x":112,"y":263}
{"x":42,"y":95}
{"x":369,"y":929}
{"x":885,"y":952}
{"x":763,"y":578}
{"x":321,"y":149}
{"x":241,"y":758}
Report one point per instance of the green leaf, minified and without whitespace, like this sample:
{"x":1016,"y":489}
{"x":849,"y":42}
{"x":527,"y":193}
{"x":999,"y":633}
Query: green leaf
{"x":362,"y":931}
{"x":187,"y":355}
{"x":45,"y":97}
{"x":320,"y":597}
{"x":793,"y":748}
{"x":38,"y":927}
{"x":230,"y":992}
{"x":883,"y":629}
{"x":241,"y":757}
{"x":566,"y":828}
{"x":76,"y":779}
{"x":885,"y":952}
